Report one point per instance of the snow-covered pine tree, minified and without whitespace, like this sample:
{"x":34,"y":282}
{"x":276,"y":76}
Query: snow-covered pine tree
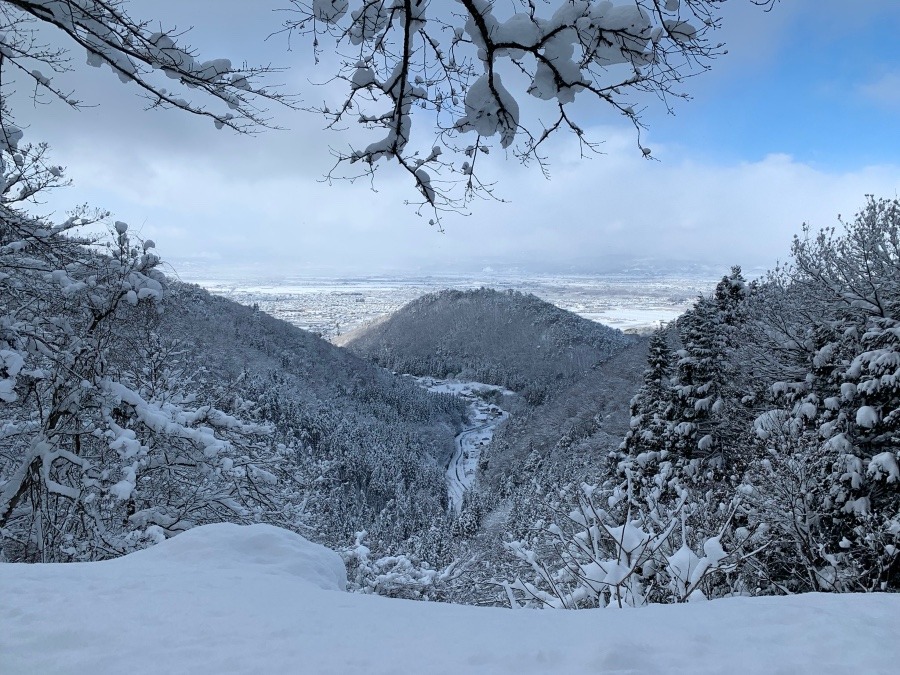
{"x":697,"y":385}
{"x":649,"y":408}
{"x":644,"y":447}
{"x":730,"y":296}
{"x":707,"y":415}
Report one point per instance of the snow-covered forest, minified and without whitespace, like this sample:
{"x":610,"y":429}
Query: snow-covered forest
{"x":189,"y":484}
{"x":507,"y":339}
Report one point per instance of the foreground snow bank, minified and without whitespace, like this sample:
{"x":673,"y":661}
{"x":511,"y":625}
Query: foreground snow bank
{"x":243,"y":550}
{"x":257,"y":599}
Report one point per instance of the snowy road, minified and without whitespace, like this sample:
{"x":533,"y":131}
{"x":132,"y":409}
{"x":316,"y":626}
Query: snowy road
{"x":464,"y":464}
{"x":484,"y":417}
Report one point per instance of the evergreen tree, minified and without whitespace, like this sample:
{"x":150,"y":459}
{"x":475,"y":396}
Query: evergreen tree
{"x":708,"y":417}
{"x":650,"y":407}
{"x":697,"y":385}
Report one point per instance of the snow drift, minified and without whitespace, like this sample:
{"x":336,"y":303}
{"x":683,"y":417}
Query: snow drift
{"x":258,"y":599}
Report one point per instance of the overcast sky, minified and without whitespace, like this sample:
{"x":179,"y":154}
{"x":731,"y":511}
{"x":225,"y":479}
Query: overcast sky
{"x":797,"y":123}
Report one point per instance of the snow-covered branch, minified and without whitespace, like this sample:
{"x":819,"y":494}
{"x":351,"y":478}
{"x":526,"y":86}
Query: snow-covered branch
{"x":442,"y":83}
{"x":137,"y":52}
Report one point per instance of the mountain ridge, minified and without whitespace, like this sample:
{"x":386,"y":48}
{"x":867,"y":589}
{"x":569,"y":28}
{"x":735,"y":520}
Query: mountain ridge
{"x":505,"y":338}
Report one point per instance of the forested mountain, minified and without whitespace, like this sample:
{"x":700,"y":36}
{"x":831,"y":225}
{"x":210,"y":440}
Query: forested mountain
{"x":370,"y":446}
{"x":570,"y":434}
{"x":504,"y":338}
{"x":134,"y":408}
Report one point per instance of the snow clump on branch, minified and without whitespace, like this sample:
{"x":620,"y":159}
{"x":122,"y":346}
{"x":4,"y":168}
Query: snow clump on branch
{"x":427,"y":73}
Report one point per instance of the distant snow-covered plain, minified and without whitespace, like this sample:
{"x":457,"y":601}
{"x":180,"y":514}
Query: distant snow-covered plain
{"x":224,"y":599}
{"x":333,"y":306}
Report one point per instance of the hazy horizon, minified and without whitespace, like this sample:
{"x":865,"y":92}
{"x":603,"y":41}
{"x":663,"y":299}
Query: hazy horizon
{"x":193,"y":269}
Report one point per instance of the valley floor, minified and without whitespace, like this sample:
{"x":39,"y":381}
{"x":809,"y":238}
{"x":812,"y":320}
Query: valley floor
{"x":484,"y":418}
{"x":257,"y":599}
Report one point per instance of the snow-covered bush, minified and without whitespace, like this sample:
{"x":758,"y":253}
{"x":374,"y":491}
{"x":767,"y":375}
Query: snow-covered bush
{"x":830,"y":510}
{"x":395,"y":576}
{"x":612,"y":551}
{"x":102,"y":447}
{"x":838,"y":403}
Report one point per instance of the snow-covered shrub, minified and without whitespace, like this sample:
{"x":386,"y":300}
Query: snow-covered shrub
{"x":611,"y":551}
{"x":810,"y":504}
{"x":828,"y":481}
{"x":395,"y":576}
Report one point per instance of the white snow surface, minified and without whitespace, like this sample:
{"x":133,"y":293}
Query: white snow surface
{"x":256,"y":599}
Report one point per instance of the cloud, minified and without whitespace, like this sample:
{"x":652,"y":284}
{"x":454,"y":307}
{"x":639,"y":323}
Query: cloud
{"x":207,"y":194}
{"x":885,"y":90}
{"x":616,"y":204}
{"x":679,"y":208}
